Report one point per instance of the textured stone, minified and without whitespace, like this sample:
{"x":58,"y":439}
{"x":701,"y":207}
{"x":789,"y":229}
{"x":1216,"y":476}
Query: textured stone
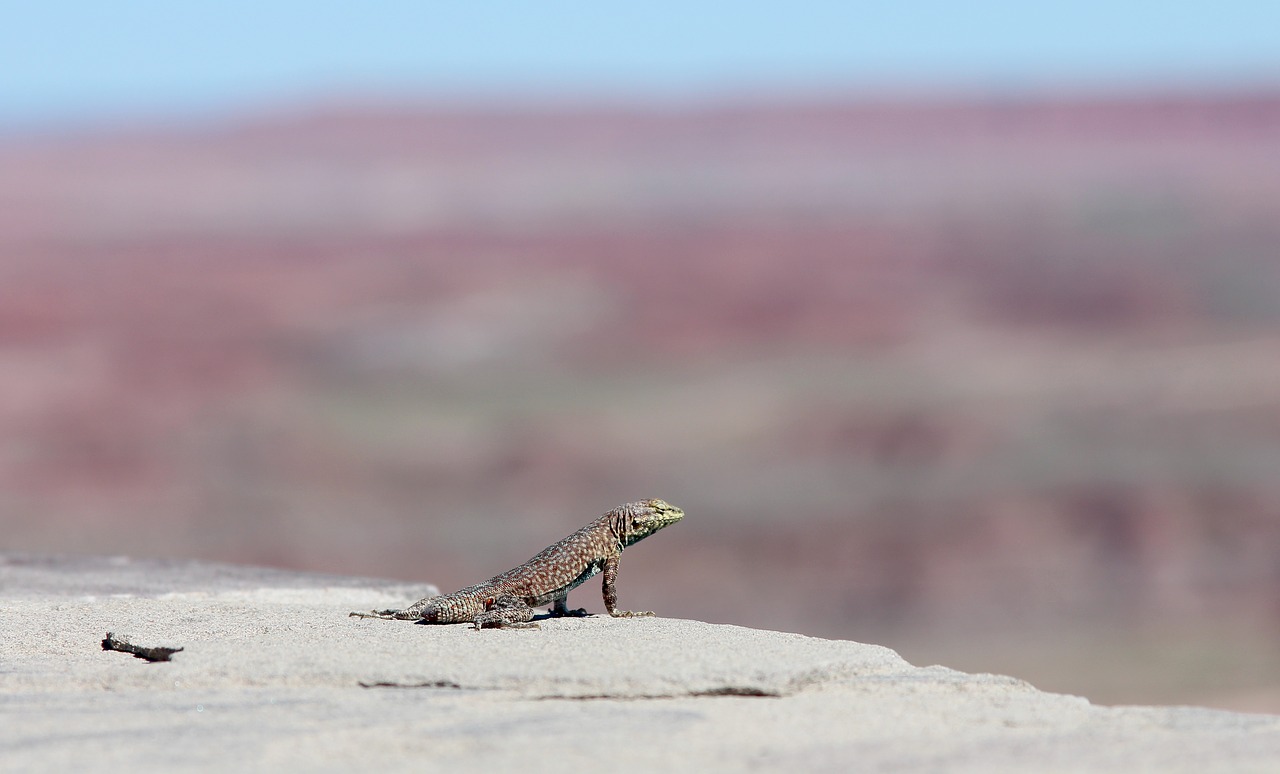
{"x":273,"y":674}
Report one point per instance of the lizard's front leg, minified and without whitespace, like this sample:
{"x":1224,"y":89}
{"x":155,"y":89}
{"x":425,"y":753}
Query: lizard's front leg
{"x":560,"y":609}
{"x":611,"y":591}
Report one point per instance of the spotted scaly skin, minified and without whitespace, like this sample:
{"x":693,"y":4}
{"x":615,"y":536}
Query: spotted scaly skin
{"x":507,"y":600}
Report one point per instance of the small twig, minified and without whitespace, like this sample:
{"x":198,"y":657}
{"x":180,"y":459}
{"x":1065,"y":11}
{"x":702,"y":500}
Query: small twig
{"x":152,"y":654}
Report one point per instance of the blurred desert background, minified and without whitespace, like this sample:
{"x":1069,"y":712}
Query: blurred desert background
{"x":992,"y":379}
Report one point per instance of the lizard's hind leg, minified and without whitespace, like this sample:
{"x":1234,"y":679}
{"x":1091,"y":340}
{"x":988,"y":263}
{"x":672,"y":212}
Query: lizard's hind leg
{"x":506,"y":612}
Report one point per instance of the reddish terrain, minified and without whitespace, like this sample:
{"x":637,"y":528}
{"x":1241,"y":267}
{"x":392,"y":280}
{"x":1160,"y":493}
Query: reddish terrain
{"x":995,"y":383}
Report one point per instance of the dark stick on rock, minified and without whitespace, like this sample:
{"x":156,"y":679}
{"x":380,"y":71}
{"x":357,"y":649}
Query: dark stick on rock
{"x":121,"y":643}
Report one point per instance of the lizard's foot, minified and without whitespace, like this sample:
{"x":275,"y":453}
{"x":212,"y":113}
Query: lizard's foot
{"x":506,"y":612}
{"x":631,"y":613}
{"x":505,"y":625}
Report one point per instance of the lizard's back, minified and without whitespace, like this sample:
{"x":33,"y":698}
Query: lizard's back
{"x":558,"y":568}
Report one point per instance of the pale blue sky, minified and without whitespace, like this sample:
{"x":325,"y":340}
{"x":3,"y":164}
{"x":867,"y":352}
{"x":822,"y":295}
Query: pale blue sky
{"x":66,"y":59}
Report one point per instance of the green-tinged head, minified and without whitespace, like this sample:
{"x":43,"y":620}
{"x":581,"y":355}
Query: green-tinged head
{"x":638,"y":520}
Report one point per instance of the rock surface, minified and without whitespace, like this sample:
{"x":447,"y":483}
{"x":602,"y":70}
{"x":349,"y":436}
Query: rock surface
{"x":274,"y":675}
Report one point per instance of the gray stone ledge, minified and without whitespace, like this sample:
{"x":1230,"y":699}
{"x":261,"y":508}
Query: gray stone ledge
{"x":273,"y":674}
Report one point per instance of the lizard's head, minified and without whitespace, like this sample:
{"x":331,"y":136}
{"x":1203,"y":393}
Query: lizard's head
{"x":638,"y":520}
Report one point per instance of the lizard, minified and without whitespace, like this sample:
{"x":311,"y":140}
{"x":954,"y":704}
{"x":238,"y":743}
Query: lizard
{"x":507,"y":600}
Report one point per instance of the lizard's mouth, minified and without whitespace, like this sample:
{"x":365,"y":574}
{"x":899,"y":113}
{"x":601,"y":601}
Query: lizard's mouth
{"x":663,"y":513}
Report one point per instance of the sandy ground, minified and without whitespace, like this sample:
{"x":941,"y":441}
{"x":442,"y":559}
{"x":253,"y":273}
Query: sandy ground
{"x":274,"y":675}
